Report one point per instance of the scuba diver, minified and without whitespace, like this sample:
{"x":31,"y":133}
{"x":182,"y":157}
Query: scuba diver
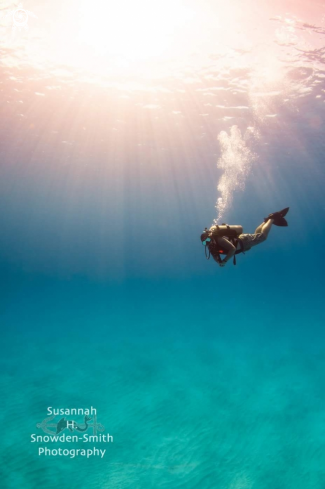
{"x":230,"y":240}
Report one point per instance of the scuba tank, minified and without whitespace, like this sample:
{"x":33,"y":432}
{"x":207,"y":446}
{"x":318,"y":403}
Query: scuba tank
{"x":230,"y":232}
{"x":226,"y":230}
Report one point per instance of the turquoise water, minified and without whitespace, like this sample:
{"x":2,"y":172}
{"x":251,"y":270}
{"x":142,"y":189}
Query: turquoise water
{"x":211,"y":391}
{"x":205,"y":377}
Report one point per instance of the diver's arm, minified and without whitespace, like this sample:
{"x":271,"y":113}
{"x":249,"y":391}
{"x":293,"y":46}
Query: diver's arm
{"x":229,"y":247}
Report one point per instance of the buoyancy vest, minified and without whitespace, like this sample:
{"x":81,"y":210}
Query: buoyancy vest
{"x":231,"y":233}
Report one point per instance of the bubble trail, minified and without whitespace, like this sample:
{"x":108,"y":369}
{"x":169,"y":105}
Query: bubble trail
{"x":235,"y":162}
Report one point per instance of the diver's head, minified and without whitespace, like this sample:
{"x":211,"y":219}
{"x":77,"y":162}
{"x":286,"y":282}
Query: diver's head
{"x":206,"y":237}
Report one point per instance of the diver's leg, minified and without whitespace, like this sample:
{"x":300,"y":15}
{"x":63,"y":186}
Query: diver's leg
{"x":259,"y":228}
{"x":261,"y":234}
{"x":266,"y":227}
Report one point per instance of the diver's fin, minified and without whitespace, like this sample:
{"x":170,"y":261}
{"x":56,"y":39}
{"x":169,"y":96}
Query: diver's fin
{"x":279,"y":221}
{"x":278,"y":217}
{"x":284,"y":212}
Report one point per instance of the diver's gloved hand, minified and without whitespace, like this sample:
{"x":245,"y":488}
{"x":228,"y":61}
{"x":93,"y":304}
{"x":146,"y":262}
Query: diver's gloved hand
{"x":222,"y":263}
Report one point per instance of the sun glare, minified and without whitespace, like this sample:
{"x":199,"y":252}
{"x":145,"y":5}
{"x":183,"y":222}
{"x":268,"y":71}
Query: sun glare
{"x":133,"y":30}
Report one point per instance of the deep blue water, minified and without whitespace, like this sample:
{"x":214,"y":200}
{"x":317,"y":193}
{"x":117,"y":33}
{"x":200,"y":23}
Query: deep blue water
{"x":205,"y":377}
